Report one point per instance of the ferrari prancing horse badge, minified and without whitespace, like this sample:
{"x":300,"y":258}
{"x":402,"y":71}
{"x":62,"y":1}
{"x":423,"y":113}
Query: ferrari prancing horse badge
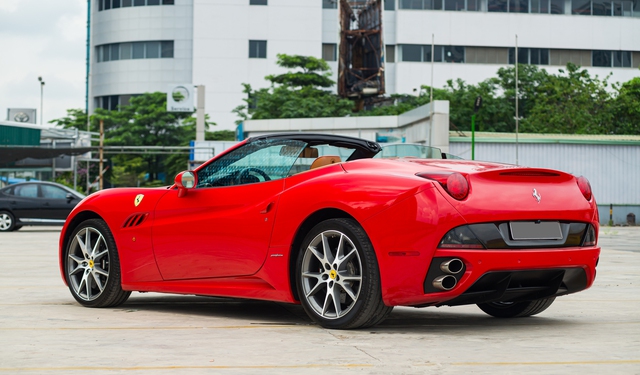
{"x":138,"y":199}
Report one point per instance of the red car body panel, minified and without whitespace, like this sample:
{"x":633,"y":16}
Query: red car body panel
{"x":239,"y":241}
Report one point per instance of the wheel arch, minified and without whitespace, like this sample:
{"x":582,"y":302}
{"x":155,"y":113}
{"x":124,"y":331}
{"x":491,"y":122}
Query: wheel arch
{"x":304,"y":228}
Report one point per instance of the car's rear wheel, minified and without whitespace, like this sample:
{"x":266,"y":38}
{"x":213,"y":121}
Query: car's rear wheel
{"x":516,"y":309}
{"x":337,"y":276}
{"x":92,"y":266}
{"x":7,"y":221}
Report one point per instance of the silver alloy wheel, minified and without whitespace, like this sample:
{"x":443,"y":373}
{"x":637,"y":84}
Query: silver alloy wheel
{"x":88,"y":264}
{"x":5,"y":221}
{"x":331,"y":274}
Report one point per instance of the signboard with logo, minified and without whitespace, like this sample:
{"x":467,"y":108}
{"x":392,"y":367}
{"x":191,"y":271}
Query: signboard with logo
{"x":180,"y":98}
{"x":26,"y":115}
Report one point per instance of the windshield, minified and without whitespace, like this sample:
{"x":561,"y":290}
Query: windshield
{"x":404,"y":150}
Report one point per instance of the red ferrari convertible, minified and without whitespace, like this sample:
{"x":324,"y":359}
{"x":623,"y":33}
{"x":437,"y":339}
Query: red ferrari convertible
{"x":343,"y":226}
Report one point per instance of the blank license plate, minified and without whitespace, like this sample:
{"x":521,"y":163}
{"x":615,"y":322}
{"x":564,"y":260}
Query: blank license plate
{"x":531,"y":230}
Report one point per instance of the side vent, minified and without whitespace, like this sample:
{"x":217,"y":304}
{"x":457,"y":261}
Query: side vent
{"x":134,"y":220}
{"x":530,"y":174}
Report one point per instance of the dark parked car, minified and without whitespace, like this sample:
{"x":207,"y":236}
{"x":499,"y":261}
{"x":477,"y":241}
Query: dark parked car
{"x":35,"y":203}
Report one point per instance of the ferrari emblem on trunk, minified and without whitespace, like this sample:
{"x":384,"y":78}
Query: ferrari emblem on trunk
{"x":536,"y":195}
{"x":138,"y":199}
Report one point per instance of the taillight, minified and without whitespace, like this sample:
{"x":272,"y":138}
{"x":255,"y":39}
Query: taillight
{"x":590,"y":238}
{"x":453,"y":182}
{"x":460,"y":238}
{"x":585,"y":187}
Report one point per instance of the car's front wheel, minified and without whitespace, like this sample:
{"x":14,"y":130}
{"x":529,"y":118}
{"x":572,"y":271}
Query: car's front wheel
{"x":337,"y":276}
{"x":92,"y":266}
{"x":516,"y":309}
{"x":7,"y":221}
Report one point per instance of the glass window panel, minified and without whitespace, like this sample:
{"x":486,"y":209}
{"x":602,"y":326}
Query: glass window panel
{"x":582,"y":7}
{"x":389,"y":4}
{"x":125,"y":51}
{"x":556,"y":7}
{"x":138,"y":3}
{"x":544,"y":6}
{"x":153,"y":50}
{"x":106,"y":55}
{"x":626,"y":59}
{"x":126,"y":3}
{"x":330,"y":4}
{"x":621,"y":59}
{"x":519,"y":6}
{"x":544,"y":56}
{"x":107,"y":4}
{"x":523,"y":55}
{"x":601,"y":8}
{"x":390,"y":54}
{"x":137,"y":50}
{"x":153,"y":2}
{"x":329,"y":52}
{"x":437,"y":4}
{"x":257,"y":2}
{"x":99,"y":53}
{"x":497,"y":6}
{"x":113,"y":102}
{"x":167,"y":49}
{"x":411,"y":52}
{"x":535,"y":6}
{"x":534,"y":56}
{"x":115,"y":4}
{"x":453,"y":4}
{"x":100,"y":5}
{"x":115,"y":51}
{"x":258,"y":49}
{"x":601,"y":58}
{"x":454,"y":54}
{"x":437,"y":53}
{"x":473,"y":5}
{"x":29,"y":191}
{"x":168,"y":2}
{"x":53,"y":192}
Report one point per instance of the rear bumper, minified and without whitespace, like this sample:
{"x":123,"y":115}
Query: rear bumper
{"x":508,"y":275}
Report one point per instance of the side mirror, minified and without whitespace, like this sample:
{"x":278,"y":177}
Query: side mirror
{"x":184,"y":181}
{"x":70,"y":197}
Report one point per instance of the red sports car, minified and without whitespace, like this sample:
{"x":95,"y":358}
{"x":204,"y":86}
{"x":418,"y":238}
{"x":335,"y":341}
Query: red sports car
{"x":343,"y":226}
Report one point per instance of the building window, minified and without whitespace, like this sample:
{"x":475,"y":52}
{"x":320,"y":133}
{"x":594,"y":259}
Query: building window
{"x":417,"y":52}
{"x":135,"y":50}
{"x":112,"y":102}
{"x":421,"y":4}
{"x":530,"y":56}
{"x":258,"y":49}
{"x":330,"y":4}
{"x":329,"y":52}
{"x":623,"y":8}
{"x":390,"y":54}
{"x":257,"y":2}
{"x":616,"y":59}
{"x":389,"y":4}
{"x":114,"y":4}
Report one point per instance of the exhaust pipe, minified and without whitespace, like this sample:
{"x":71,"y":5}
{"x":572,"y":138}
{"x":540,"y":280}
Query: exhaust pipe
{"x":446,"y":282}
{"x":452,"y":266}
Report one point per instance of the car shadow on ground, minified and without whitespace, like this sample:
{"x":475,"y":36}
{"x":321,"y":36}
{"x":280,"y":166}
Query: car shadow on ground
{"x":401,"y":320}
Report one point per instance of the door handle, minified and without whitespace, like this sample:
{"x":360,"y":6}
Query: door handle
{"x":268,"y":208}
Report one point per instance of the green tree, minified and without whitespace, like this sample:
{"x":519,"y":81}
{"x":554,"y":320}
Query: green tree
{"x":145,"y":122}
{"x":571,"y":103}
{"x":295,"y":94}
{"x":626,"y":108}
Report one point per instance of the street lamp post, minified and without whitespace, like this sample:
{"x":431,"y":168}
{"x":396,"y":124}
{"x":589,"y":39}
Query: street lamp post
{"x":41,"y":97}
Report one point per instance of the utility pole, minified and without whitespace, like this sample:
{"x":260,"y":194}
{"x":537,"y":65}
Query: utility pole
{"x":41,"y":98}
{"x":101,"y":153}
{"x":517,"y":119}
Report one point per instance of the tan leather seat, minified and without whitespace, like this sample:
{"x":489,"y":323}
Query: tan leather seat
{"x":325,"y":160}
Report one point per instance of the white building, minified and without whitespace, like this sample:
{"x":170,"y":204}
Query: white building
{"x":142,"y":46}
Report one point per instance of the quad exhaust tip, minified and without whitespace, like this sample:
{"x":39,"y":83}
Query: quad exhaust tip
{"x":446,"y":282}
{"x":451,"y":266}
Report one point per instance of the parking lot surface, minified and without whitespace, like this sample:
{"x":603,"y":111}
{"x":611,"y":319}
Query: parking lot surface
{"x":44,"y":331}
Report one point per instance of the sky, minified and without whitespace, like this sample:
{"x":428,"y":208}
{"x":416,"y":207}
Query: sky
{"x":44,"y":38}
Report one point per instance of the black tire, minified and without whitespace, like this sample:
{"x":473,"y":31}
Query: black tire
{"x":93,"y":272}
{"x":516,"y":309}
{"x":352,"y":273}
